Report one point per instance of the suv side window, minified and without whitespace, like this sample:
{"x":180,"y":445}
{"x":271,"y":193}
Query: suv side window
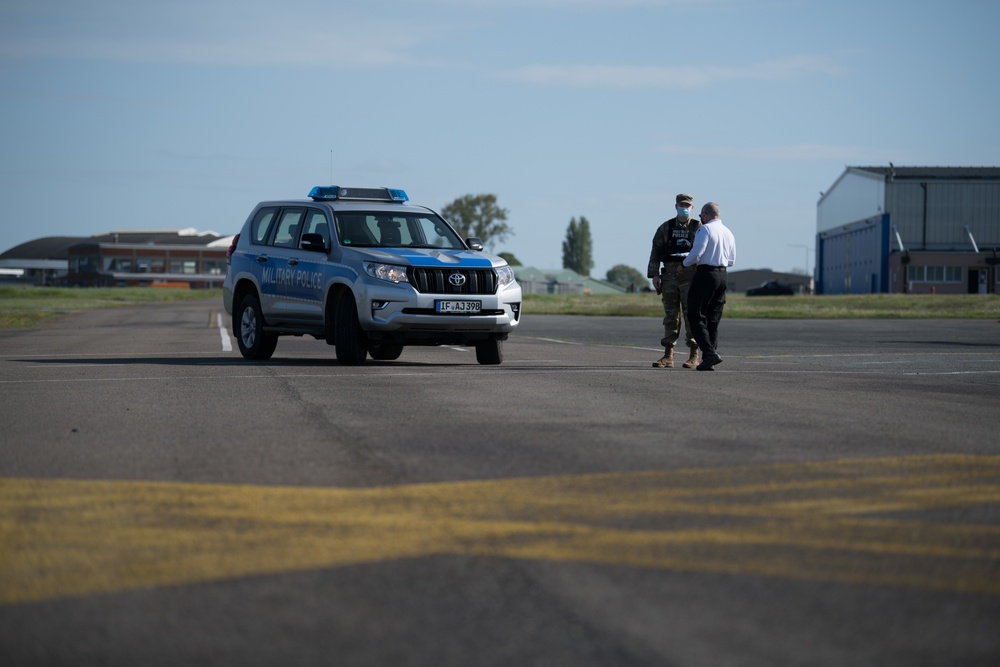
{"x":261,"y":225}
{"x":316,"y":224}
{"x":286,"y":235}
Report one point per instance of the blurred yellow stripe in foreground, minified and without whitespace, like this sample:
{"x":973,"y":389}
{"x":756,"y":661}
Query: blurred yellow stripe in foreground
{"x":891,"y":521}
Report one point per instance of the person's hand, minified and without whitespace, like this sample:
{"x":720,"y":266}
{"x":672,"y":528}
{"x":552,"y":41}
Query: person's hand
{"x":656,"y":283}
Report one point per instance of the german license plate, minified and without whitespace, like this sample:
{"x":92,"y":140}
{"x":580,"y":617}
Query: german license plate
{"x":461,"y":307}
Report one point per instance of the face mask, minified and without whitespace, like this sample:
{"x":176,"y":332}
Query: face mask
{"x":684,"y":213}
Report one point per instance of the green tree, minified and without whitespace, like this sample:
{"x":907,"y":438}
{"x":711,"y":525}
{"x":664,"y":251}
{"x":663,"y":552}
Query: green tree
{"x":479,"y":215}
{"x":509,"y":257}
{"x":578,"y":247}
{"x":621,"y":274}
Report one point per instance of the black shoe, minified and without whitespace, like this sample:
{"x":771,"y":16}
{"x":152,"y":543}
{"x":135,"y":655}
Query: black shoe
{"x":708,"y":363}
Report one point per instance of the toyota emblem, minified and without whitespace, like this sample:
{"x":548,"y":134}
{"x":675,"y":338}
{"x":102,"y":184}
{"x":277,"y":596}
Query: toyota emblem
{"x":456,"y":279}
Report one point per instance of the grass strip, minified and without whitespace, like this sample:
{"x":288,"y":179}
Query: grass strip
{"x":22,"y":307}
{"x":848,"y":306}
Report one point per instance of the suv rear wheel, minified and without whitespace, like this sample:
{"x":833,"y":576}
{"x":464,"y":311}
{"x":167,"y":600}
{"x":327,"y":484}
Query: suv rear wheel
{"x":248,"y":325}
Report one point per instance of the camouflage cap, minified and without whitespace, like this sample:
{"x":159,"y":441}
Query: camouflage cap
{"x":688,"y":199}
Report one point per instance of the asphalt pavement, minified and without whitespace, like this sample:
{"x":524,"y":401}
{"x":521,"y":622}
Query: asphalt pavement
{"x":829,"y":495}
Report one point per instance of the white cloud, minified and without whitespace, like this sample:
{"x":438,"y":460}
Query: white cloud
{"x":209,"y":34}
{"x":684,"y":76}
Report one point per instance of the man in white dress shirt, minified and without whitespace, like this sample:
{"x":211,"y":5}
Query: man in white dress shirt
{"x":714,"y":251}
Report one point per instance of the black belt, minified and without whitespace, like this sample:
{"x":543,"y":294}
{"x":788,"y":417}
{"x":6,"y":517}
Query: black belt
{"x":706,"y":267}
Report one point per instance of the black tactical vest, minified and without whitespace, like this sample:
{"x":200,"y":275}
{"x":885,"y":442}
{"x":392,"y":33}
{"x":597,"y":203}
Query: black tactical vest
{"x":677,"y":240}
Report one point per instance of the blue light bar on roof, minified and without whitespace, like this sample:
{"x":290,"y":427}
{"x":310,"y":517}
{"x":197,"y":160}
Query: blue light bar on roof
{"x":333,"y":192}
{"x":324,"y":192}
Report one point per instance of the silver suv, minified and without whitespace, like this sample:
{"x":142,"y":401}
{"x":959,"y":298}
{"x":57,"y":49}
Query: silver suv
{"x":367,"y":272}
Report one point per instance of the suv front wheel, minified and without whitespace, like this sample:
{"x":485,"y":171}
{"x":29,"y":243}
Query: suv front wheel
{"x":489,"y":352}
{"x":385,"y":350}
{"x":351,"y":340}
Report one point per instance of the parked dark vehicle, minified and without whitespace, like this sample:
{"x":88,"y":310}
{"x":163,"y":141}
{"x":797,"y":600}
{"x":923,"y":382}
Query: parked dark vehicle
{"x":771,"y":288}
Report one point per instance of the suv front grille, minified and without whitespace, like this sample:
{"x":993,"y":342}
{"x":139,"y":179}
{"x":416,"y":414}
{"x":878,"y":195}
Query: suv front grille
{"x":439,"y":281}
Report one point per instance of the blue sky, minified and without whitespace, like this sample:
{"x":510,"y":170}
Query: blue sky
{"x":123,"y":114}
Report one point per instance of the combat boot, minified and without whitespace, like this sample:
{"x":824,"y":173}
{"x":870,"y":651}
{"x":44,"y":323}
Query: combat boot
{"x":667,"y":360}
{"x":693,"y":360}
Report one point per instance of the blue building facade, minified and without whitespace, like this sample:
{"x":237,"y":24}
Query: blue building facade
{"x":854,"y":259}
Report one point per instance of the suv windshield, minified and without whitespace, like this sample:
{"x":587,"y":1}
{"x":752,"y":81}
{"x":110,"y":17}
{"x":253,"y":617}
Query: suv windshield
{"x":379,"y":229}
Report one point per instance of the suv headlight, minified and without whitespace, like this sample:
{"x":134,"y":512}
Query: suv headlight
{"x":388,"y":272}
{"x":505,"y":275}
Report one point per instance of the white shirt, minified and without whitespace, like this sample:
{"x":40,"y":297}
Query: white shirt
{"x":714,"y":245}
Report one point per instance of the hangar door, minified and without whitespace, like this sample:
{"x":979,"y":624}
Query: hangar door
{"x":854,"y":259}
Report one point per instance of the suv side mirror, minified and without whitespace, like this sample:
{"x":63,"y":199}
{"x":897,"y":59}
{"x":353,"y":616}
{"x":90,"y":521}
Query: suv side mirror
{"x":314,"y":242}
{"x":475,"y":243}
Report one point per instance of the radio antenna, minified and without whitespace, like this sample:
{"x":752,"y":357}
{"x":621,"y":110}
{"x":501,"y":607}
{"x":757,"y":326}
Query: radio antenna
{"x":331,"y":166}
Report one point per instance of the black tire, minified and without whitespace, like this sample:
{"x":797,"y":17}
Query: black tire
{"x":351,"y":341}
{"x":248,"y":327}
{"x":385,"y":350}
{"x":489,"y":352}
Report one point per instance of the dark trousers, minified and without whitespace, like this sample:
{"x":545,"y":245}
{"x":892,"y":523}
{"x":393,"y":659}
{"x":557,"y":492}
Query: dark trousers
{"x":706,"y":299}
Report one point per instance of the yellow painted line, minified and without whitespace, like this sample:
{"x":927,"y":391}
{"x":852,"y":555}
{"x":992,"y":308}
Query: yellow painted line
{"x":853,"y":521}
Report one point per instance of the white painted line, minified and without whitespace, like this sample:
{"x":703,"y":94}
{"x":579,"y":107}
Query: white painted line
{"x":534,"y":361}
{"x":953,"y":373}
{"x":561,"y":342}
{"x":227,"y":345}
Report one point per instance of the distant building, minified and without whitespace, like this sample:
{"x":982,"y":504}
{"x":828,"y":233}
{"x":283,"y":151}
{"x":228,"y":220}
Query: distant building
{"x":561,"y":281}
{"x":186,"y":257}
{"x":43,"y":261}
{"x":909,"y":229}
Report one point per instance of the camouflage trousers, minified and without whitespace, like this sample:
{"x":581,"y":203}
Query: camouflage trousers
{"x":674,"y":294}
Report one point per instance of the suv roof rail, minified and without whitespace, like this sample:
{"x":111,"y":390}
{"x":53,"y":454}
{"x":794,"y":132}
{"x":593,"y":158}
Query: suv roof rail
{"x":333,"y":192}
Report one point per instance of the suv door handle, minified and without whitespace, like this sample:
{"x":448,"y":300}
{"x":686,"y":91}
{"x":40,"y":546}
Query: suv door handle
{"x":293,"y":262}
{"x":261,"y":259}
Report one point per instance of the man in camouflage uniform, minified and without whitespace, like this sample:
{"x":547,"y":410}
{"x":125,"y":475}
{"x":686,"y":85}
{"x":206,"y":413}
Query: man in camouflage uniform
{"x":671,"y":244}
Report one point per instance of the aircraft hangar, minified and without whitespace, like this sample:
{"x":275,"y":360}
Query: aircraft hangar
{"x":913,"y":230}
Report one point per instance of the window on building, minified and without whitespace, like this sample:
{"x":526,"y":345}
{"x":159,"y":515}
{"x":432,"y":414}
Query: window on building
{"x":118,"y":264}
{"x":86,"y":263}
{"x":187,"y":266}
{"x":214,"y":267}
{"x":149,"y":264}
{"x":934,"y":274}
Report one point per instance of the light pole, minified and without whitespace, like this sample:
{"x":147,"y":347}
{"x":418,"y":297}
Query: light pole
{"x":808,"y":250}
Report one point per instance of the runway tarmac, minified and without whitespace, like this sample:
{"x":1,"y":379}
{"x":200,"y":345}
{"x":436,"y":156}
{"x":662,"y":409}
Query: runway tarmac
{"x":830,"y":495}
